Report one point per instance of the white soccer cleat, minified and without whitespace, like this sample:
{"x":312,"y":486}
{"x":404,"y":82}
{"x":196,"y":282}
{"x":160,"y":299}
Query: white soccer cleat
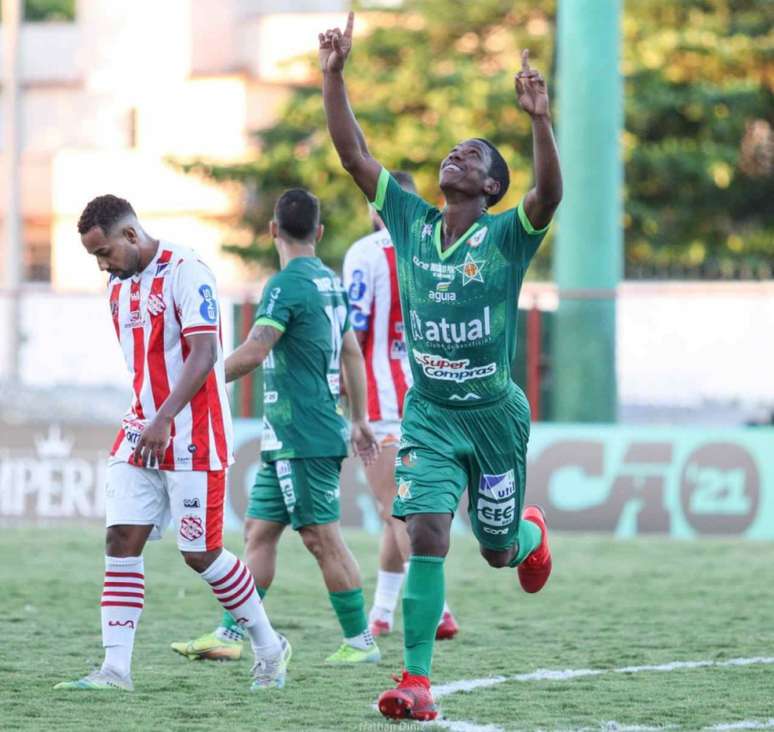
{"x":270,"y":672}
{"x":99,"y":681}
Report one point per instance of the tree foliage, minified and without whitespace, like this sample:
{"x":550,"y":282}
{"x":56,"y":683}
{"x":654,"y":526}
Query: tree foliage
{"x":698,"y":145}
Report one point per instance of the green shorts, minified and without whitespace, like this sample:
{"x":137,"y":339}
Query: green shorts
{"x":300,"y":492}
{"x":446,"y":450}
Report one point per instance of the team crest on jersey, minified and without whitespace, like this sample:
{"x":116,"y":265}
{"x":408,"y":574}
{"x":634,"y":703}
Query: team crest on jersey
{"x":478,"y":237}
{"x":156,"y":304}
{"x":470,"y":270}
{"x":209,"y":308}
{"x":404,"y":490}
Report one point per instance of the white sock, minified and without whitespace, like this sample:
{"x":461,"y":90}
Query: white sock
{"x":363,"y":640}
{"x":234,"y":587}
{"x":388,"y":586}
{"x":123,"y":597}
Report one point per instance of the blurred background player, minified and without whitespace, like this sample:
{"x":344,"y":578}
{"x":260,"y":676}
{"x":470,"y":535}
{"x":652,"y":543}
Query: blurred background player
{"x":170,"y":457}
{"x":371,"y":281}
{"x":303,"y":338}
{"x":466,"y":423}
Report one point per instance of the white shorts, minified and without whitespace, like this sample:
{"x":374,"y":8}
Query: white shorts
{"x":192,"y":500}
{"x":387,"y":432}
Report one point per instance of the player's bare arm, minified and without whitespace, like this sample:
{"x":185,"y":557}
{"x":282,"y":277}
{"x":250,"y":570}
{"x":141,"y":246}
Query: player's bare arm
{"x":251,"y":354}
{"x":541,"y":201}
{"x":348,"y":139}
{"x":354,"y":374}
{"x":151,"y":445}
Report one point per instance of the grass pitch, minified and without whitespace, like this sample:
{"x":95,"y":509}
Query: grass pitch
{"x":609,"y":604}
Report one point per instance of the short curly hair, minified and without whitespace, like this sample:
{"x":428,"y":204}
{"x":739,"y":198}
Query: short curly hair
{"x":105,"y":212}
{"x":498,"y":169}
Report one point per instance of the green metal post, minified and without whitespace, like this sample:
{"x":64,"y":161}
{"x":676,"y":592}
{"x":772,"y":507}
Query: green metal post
{"x":588,"y":255}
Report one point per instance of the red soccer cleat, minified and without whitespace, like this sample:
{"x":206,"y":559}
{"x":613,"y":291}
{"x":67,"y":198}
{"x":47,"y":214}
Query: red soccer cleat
{"x":380,"y":627}
{"x":447,"y":628}
{"x":535,"y":570}
{"x":410,"y":699}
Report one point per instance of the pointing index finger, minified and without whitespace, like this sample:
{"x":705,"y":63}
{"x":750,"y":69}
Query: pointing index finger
{"x":525,"y":60}
{"x":350,"y":24}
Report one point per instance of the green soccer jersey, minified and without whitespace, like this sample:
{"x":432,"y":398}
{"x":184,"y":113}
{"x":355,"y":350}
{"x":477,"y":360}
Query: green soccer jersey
{"x":301,"y":414}
{"x":460,"y":306}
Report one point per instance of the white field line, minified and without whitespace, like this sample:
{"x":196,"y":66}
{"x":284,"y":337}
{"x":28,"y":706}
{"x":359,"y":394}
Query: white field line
{"x":468,"y":685}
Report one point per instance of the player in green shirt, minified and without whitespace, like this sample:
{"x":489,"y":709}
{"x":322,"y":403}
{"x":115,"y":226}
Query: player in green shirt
{"x":303,"y":339}
{"x":465,"y":424}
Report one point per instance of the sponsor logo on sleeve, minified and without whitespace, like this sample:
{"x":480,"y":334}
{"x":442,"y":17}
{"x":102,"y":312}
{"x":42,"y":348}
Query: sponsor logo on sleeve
{"x":496,"y":514}
{"x":497,"y":487}
{"x":404,"y":490}
{"x":209,"y":308}
{"x":283,"y":468}
{"x":273,"y":295}
{"x":162,"y":268}
{"x":358,"y":319}
{"x":191,"y":503}
{"x":270,"y":397}
{"x":357,"y":287}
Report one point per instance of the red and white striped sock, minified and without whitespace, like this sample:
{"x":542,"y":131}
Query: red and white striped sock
{"x":123,"y":597}
{"x":234,"y":587}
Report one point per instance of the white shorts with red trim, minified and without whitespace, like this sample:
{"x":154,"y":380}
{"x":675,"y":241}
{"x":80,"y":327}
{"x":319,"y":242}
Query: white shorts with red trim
{"x":192,"y":500}
{"x":387,"y":432}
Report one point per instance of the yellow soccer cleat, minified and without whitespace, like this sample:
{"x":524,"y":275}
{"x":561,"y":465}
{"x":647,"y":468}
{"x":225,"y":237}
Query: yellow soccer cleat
{"x":347,"y":655}
{"x":209,"y":648}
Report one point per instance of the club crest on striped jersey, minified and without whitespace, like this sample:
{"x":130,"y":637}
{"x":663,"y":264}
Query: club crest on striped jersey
{"x":156,"y":304}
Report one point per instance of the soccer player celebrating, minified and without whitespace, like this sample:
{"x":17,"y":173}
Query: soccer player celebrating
{"x":466,"y":424}
{"x":303,"y":338}
{"x":170,"y":457}
{"x":371,"y":279}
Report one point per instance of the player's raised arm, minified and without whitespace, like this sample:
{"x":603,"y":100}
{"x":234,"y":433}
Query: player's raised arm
{"x":542,"y":200}
{"x":251,"y":354}
{"x":345,"y":132}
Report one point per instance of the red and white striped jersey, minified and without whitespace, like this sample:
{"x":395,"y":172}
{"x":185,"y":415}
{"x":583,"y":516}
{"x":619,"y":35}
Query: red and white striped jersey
{"x":371,"y":280}
{"x":153,"y":312}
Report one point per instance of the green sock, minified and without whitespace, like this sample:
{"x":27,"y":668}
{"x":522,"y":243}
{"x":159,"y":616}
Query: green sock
{"x":530,"y":537}
{"x":423,"y":598}
{"x":350,"y":610}
{"x":228,"y":621}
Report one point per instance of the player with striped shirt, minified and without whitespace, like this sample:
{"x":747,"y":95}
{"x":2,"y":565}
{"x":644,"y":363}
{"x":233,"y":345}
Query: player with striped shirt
{"x":371,"y":279}
{"x":170,"y":457}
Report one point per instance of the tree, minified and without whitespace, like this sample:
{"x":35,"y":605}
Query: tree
{"x":698,"y":146}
